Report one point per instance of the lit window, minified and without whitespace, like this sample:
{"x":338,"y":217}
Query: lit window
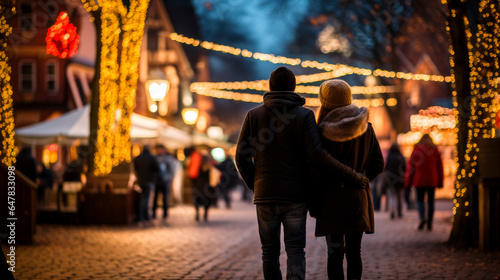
{"x":152,"y":38}
{"x":52,"y":11}
{"x":51,"y":77}
{"x":27,"y":79}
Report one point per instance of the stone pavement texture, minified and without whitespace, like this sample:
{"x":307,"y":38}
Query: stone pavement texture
{"x":227,"y":247}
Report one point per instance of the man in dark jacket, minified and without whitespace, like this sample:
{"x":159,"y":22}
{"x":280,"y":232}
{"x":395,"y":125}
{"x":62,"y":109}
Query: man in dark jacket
{"x":146,"y":169}
{"x":277,"y":140}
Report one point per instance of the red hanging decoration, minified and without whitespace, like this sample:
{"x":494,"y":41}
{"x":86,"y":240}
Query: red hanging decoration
{"x":62,"y":39}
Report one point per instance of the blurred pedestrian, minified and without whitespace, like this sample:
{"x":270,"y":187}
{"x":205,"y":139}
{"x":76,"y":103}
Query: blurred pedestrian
{"x":424,"y":172}
{"x":72,"y":177}
{"x":74,"y":170}
{"x":377,"y":193}
{"x":345,"y":210}
{"x":194,"y":162}
{"x":146,"y":169}
{"x":167,"y":165}
{"x":246,"y":194}
{"x":26,"y":164}
{"x":45,"y":180}
{"x":229,"y":179}
{"x":409,"y":198}
{"x":276,"y":143}
{"x":393,"y":179}
{"x":203,"y":193}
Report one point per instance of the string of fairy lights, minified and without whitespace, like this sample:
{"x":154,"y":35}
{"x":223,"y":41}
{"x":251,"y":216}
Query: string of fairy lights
{"x":108,"y":87}
{"x":117,"y":77}
{"x":457,"y":186}
{"x":224,"y":89}
{"x":345,"y":69}
{"x":215,"y":92}
{"x":133,"y":29}
{"x":6,"y":106}
{"x":263,"y":85}
{"x":484,"y":63}
{"x":312,"y":102}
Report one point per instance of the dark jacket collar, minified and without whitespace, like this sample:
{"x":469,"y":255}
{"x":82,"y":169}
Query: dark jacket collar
{"x":273,"y":99}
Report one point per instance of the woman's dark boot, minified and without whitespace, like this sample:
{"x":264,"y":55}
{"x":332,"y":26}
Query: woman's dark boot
{"x":421,"y":225}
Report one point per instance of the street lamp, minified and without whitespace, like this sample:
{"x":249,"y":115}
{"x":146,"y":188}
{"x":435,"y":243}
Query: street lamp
{"x":215,"y":132}
{"x":158,"y":86}
{"x":190,"y":115}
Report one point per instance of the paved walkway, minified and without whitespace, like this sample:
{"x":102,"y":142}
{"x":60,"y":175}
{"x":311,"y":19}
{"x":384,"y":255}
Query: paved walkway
{"x":227,"y":247}
{"x":396,"y":251}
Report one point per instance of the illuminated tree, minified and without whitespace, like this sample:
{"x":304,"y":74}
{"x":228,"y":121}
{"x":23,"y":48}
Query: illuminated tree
{"x":115,"y":82}
{"x":474,"y":59}
{"x":6,"y":110}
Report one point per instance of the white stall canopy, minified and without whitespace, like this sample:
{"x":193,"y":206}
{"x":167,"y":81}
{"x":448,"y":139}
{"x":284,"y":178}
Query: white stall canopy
{"x":74,"y":126}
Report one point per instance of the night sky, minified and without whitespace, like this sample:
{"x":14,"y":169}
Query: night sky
{"x":259,"y":26}
{"x":286,"y":27}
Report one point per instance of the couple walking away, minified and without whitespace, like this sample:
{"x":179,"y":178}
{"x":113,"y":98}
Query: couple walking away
{"x":294,"y":165}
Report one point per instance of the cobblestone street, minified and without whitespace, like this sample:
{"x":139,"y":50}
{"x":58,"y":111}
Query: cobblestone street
{"x":227,"y":247}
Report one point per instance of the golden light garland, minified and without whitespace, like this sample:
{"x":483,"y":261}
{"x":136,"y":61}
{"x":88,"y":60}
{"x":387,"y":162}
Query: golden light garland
{"x":312,"y":102}
{"x":359,"y":90}
{"x":108,"y":86}
{"x":91,"y":7}
{"x":374,"y":102}
{"x":6,"y":108}
{"x":341,"y":69}
{"x":456,"y":111}
{"x":263,"y":85}
{"x":133,"y":27}
{"x":483,"y":62}
{"x":222,"y":90}
{"x":118,"y":78}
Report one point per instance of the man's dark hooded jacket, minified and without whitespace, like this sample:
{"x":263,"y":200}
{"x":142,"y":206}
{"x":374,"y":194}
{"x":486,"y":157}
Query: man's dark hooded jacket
{"x":277,"y":140}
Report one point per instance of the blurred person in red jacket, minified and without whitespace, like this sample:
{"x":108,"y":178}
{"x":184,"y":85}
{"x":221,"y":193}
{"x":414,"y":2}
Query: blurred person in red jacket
{"x":424,"y":171}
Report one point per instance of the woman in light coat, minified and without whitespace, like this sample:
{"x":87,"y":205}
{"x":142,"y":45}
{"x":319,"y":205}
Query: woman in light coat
{"x":343,"y":211}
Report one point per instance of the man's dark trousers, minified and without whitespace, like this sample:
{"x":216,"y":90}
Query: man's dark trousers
{"x":144,"y":197}
{"x":293,"y":216}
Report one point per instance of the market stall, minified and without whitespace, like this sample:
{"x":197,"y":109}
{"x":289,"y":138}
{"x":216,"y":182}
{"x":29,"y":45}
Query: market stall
{"x":73,"y":127}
